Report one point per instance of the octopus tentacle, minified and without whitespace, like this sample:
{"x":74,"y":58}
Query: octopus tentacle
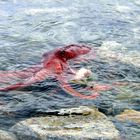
{"x":39,"y":76}
{"x":64,"y":85}
{"x":21,"y":74}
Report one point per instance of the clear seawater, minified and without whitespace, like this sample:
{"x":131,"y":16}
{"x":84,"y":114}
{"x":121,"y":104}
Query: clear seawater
{"x":28,"y":28}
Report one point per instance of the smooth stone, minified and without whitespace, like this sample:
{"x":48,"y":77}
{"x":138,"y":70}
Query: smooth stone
{"x":4,"y":135}
{"x":129,"y":115}
{"x":75,"y":124}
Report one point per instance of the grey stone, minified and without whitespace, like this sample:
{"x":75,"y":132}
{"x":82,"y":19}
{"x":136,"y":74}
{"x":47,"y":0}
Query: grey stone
{"x":24,"y":132}
{"x":4,"y":135}
{"x":74,"y":124}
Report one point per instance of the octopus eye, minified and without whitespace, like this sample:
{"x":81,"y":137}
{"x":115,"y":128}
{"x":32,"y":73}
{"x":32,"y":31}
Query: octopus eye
{"x":63,"y":53}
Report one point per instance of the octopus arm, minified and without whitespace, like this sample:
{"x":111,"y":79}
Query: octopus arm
{"x":66,"y":87}
{"x":39,"y":76}
{"x":22,"y":74}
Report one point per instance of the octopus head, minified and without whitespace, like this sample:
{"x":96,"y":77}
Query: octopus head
{"x":73,"y":51}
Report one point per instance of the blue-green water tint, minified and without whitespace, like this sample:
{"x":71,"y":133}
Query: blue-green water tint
{"x":28,"y":28}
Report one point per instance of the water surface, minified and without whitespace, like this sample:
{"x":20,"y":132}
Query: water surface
{"x":28,"y":28}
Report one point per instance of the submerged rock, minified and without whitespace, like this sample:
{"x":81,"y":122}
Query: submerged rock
{"x":75,"y":123}
{"x":114,"y":51}
{"x":129,"y":115}
{"x":4,"y":135}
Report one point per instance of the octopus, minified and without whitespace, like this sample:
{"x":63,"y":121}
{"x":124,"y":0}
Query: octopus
{"x":55,"y":63}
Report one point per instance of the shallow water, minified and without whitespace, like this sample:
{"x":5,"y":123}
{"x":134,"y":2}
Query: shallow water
{"x":30,"y":28}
